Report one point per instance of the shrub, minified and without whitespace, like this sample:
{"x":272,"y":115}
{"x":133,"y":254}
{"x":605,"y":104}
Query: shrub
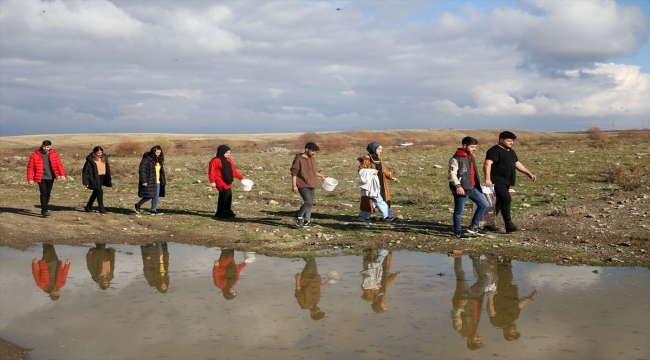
{"x":307,"y":137}
{"x":336,"y":144}
{"x":629,"y":177}
{"x":128,"y":148}
{"x":594,"y":133}
{"x":168,"y":146}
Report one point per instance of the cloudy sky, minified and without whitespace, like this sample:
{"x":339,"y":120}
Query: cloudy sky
{"x":293,"y":66}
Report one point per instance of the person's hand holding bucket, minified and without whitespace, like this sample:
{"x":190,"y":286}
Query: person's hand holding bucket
{"x":247,"y":184}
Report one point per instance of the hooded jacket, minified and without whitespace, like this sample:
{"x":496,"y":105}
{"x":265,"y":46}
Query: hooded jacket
{"x":90,"y":174}
{"x":42,"y":275}
{"x":463,"y":172}
{"x":147,"y":173}
{"x":304,"y":168}
{"x":35,"y":166}
{"x":215,"y":176}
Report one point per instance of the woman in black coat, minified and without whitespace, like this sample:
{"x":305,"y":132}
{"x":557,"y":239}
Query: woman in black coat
{"x":101,"y":264}
{"x":152,"y":182}
{"x":155,"y":260}
{"x":96,"y":174}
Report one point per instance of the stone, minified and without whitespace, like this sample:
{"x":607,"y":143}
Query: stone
{"x":525,"y":205}
{"x":197,"y":182}
{"x":346,"y":205}
{"x":437,"y":166}
{"x":273,"y":202}
{"x":401,"y":217}
{"x":512,"y":190}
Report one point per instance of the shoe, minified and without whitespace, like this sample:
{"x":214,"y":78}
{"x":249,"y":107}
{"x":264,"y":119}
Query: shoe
{"x":389,"y":219}
{"x":297,"y":221}
{"x":154,"y":212}
{"x":365,"y":221}
{"x":476,"y":231}
{"x":102,"y":210}
{"x":136,"y":208}
{"x":460,"y":235}
{"x":491,"y":228}
{"x":229,"y":215}
{"x":510,"y":227}
{"x":309,"y":223}
{"x":88,"y":208}
{"x":46,"y":213}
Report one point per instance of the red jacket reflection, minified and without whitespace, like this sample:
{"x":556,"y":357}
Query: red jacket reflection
{"x":42,"y":274}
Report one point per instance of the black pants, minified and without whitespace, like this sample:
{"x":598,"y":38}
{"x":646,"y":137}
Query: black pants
{"x":97,"y":194}
{"x":503,"y":201}
{"x":308,"y":195}
{"x":224,"y":203}
{"x":45,"y":187}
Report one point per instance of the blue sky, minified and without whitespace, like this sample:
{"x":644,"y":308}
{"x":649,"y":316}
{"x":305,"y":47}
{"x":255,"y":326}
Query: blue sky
{"x":293,"y":66}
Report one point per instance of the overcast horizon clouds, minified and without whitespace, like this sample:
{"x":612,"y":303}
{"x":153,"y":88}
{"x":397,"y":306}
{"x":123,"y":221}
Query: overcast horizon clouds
{"x":293,"y":66}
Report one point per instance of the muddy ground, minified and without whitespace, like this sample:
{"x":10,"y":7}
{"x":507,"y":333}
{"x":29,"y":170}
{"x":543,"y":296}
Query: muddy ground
{"x":609,"y":230}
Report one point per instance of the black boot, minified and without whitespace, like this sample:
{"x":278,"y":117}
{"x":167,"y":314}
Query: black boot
{"x":511,"y":227}
{"x":102,"y":210}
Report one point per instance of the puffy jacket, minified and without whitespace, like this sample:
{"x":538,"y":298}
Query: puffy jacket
{"x":461,"y":169}
{"x":147,"y":174}
{"x":90,"y":174}
{"x":214,"y":174}
{"x":42,"y":274}
{"x":35,"y":166}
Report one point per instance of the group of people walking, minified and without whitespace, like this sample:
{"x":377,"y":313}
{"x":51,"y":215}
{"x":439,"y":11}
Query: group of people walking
{"x":501,"y":164}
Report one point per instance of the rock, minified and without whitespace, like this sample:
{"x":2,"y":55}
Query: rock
{"x":259,"y":168}
{"x":346,"y":205}
{"x":276,"y":150}
{"x":273,"y":202}
{"x":196,"y":182}
{"x":129,"y":253}
{"x":495,"y":246}
{"x":552,"y":194}
{"x":177,"y":170}
{"x":437,"y":166}
{"x":336,"y":248}
{"x":595,"y":271}
{"x":398,"y":242}
{"x":401,"y":217}
{"x":263,"y":192}
{"x":419,"y":246}
{"x":525,"y":205}
{"x":512,"y":190}
{"x":286,"y":236}
{"x":240,"y":197}
{"x":570,"y":175}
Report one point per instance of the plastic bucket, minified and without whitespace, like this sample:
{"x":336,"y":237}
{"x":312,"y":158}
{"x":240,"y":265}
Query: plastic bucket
{"x":329,"y":184}
{"x":332,"y":277}
{"x":247,"y":185}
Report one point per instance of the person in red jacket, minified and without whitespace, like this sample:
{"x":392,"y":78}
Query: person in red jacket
{"x":226,"y":273}
{"x":43,"y":167}
{"x":222,"y":172}
{"x":49,"y":273}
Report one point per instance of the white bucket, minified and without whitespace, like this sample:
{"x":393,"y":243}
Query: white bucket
{"x":329,"y":184}
{"x":247,"y":185}
{"x":332,"y":277}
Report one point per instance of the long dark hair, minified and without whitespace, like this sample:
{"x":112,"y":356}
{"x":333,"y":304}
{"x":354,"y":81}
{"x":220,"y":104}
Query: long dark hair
{"x":95,"y":150}
{"x":158,"y":159}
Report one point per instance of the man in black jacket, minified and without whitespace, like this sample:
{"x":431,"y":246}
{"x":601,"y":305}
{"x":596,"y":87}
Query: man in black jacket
{"x":464,"y":183}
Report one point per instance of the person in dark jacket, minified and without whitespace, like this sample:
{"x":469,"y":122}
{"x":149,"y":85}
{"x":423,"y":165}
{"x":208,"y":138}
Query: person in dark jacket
{"x":151,"y":185}
{"x":44,"y":167}
{"x":155,"y":260}
{"x":49,"y":273}
{"x":221,"y":173}
{"x":464,"y":183}
{"x":467,"y":301}
{"x":95,"y":175}
{"x":101,"y":264}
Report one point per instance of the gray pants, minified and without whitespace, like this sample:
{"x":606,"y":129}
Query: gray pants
{"x":308,"y":195}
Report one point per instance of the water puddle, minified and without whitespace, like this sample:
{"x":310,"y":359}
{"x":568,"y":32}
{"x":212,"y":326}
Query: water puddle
{"x":178,"y":301}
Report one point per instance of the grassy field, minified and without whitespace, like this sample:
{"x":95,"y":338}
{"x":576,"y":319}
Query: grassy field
{"x":573,"y":172}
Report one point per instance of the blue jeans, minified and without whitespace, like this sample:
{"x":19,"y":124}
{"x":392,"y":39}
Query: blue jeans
{"x":154,"y":200}
{"x":459,"y":205}
{"x":380,"y":205}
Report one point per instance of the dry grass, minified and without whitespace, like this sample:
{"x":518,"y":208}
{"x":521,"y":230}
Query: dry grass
{"x":629,"y":177}
{"x":595,"y":133}
{"x":128,"y":148}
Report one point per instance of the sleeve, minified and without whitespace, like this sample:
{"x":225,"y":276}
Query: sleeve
{"x":221,"y":185}
{"x":40,"y":273}
{"x":143,"y":172}
{"x":85,"y":174}
{"x":387,"y":174}
{"x":295,"y":167}
{"x":492,"y":154}
{"x":211,"y":171}
{"x":452,"y":174}
{"x":62,"y":275}
{"x":514,"y":154}
{"x":30,"y":168}
{"x":235,"y":173}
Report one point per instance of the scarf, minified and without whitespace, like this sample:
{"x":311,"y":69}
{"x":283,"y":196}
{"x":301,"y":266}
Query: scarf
{"x":226,"y":169}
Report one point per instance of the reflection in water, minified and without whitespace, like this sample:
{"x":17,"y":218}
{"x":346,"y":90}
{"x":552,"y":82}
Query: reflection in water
{"x":504,"y":306}
{"x":155,"y":259}
{"x":467,"y":301}
{"x":101,"y":264}
{"x":308,"y":284}
{"x":50,"y":273}
{"x":376,"y":277}
{"x":226,"y":273}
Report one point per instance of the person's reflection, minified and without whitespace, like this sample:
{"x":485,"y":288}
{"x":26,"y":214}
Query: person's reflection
{"x":155,"y":259}
{"x":468,"y":301}
{"x":50,"y":273}
{"x":504,"y":306}
{"x":376,"y":277}
{"x":308,"y":284}
{"x":226,"y":273}
{"x":101,"y":263}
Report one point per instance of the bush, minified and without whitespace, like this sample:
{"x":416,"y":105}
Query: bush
{"x":168,"y":146}
{"x":128,"y":148}
{"x":629,"y":177}
{"x":595,"y":133}
{"x":309,"y":136}
{"x":336,"y":144}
